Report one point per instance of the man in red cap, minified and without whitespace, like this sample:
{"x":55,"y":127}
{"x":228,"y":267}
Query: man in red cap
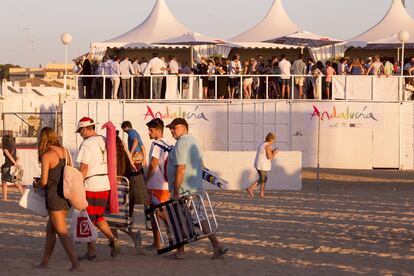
{"x":93,"y":166}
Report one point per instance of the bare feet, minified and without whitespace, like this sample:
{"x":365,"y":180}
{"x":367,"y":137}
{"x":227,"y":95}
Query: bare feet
{"x":249,"y":192}
{"x":76,"y":269}
{"x":262,"y":195}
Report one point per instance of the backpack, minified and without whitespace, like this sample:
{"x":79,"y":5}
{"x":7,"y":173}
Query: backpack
{"x":166,"y":148}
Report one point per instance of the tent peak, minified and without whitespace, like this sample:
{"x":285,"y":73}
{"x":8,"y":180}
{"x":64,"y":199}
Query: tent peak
{"x":160,"y":24}
{"x":275,"y":23}
{"x":396,"y":19}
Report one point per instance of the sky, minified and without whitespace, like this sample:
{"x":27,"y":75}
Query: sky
{"x":30,"y":30}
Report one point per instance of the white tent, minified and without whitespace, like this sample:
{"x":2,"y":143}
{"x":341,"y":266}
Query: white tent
{"x":396,"y":19}
{"x":160,"y":24}
{"x":390,"y":42}
{"x":276,"y":23}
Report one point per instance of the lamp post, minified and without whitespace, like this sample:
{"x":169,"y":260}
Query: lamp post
{"x":403,"y":37}
{"x":66,"y":39}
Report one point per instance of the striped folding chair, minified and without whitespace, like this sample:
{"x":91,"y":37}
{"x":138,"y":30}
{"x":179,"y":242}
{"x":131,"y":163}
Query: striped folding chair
{"x":180,"y":222}
{"x":121,"y":221}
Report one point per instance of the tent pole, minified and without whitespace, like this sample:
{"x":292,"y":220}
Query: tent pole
{"x":191,"y":56}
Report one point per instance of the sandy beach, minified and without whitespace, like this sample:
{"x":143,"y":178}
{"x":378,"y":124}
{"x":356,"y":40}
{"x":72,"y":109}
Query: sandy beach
{"x":359,"y":222}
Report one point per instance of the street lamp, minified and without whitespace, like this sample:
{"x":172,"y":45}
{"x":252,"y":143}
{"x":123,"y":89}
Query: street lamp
{"x":66,"y":39}
{"x":403,"y":37}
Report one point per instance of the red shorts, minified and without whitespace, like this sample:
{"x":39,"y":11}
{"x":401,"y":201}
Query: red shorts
{"x":97,"y":202}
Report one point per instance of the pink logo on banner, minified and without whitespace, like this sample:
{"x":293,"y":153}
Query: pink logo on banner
{"x":172,"y":114}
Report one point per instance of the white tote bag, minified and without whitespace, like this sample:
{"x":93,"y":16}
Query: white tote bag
{"x":82,"y":228}
{"x":34,"y":200}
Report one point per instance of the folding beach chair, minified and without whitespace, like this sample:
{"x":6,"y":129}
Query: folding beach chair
{"x":121,"y":221}
{"x":179,"y":222}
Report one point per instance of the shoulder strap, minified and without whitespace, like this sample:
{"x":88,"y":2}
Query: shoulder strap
{"x":164,"y":147}
{"x":68,"y":156}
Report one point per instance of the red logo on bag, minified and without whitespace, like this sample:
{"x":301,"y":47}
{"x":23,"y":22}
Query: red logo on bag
{"x":82,"y":229}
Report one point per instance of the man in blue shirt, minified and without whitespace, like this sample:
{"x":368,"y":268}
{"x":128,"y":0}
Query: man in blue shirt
{"x":135,"y":145}
{"x":184,"y":170}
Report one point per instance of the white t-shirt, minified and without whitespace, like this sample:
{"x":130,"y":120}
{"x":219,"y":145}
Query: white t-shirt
{"x":261,"y":162}
{"x":284,"y":66}
{"x":174,"y":67}
{"x":154,"y":66}
{"x":93,"y":153}
{"x":157,"y":181}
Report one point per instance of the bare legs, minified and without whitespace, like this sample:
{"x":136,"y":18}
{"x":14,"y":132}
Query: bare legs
{"x":285,"y":87}
{"x":218,"y":248}
{"x":5,"y":189}
{"x":57,"y":225}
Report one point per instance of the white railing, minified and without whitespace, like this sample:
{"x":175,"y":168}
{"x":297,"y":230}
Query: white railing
{"x":221,"y":86}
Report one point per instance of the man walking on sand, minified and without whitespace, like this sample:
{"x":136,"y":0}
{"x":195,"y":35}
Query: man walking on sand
{"x":263,"y":163}
{"x":184,"y":171}
{"x":93,"y":166}
{"x":156,"y":179}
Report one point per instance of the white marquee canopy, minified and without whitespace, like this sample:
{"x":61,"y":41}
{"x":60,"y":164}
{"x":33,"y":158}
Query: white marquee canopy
{"x":396,"y":20}
{"x":160,"y":24}
{"x":276,"y":23}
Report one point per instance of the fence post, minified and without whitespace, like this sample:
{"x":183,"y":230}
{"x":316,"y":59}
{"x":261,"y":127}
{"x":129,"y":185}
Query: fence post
{"x":150,"y":87}
{"x":180,"y":79}
{"x":267,"y":87}
{"x":132,"y":87}
{"x":104,"y":87}
{"x":320,"y":87}
{"x":241,"y":87}
{"x":215,"y":87}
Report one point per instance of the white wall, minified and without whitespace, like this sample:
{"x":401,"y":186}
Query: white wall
{"x":357,"y":135}
{"x":237,"y":168}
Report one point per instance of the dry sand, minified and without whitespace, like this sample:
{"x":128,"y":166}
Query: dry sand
{"x":359,"y":222}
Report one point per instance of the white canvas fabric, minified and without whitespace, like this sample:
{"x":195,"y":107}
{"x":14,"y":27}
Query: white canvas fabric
{"x":396,"y":19}
{"x":276,"y":23}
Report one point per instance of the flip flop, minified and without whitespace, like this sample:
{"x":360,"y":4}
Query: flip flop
{"x":87,"y":257}
{"x":220,"y":253}
{"x":175,"y":256}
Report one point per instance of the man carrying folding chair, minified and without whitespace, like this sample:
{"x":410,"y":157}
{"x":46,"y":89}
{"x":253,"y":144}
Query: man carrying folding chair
{"x":184,"y":171}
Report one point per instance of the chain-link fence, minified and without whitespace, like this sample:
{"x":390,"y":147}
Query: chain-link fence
{"x":24,"y":128}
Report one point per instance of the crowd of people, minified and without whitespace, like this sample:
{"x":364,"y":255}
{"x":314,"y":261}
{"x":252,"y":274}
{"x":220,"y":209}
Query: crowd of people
{"x":168,"y":171}
{"x":245,"y":78}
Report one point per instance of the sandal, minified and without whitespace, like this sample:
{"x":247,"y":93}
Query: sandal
{"x":87,"y":257}
{"x":219,"y":254}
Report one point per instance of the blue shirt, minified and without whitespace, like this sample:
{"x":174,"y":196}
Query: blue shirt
{"x":186,"y":152}
{"x":132,"y":135}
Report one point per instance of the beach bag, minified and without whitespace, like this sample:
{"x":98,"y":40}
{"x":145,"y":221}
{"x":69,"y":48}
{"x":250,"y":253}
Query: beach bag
{"x":73,"y":188}
{"x":82,"y":228}
{"x":34,"y":200}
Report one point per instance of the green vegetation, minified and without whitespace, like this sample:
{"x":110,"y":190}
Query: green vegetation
{"x":4,"y":70}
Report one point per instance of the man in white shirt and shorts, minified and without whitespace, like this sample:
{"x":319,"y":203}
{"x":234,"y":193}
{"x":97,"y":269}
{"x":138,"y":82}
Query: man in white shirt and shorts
{"x":92,"y":158}
{"x":157,"y":183}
